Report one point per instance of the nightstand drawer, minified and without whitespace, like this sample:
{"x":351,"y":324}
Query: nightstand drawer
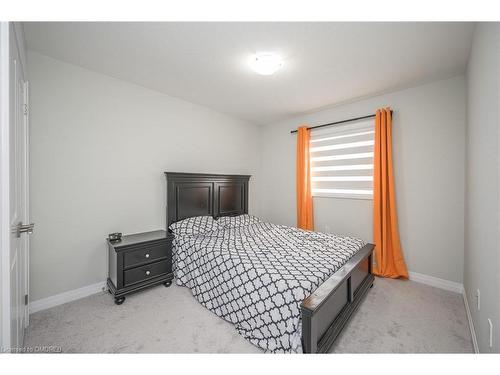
{"x":146,"y":272}
{"x":144,"y":255}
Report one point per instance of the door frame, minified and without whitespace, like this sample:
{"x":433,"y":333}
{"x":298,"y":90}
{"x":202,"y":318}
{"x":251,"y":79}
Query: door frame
{"x":4,"y":187}
{"x":26,"y":214}
{"x":10,"y":31}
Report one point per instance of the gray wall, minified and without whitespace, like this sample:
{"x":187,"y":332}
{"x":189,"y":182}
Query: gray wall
{"x":429,"y":157}
{"x":482,"y":239}
{"x":99,"y":147}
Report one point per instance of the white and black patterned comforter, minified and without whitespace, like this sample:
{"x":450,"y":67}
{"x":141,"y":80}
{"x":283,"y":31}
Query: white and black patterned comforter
{"x":256,"y":276}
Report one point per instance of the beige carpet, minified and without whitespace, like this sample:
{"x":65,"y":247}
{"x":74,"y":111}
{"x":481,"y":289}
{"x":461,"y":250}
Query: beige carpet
{"x":396,"y":317}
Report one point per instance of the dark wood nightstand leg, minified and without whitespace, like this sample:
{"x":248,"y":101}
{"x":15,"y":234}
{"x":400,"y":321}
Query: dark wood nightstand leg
{"x":119,"y":300}
{"x":167,"y":283}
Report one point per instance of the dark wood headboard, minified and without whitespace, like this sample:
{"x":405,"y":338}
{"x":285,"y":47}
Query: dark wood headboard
{"x":198,"y":194}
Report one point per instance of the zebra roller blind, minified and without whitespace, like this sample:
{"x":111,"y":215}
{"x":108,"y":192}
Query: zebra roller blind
{"x":342,"y":160}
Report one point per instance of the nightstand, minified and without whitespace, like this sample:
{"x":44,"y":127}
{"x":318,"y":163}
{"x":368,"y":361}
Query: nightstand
{"x":139,"y":261}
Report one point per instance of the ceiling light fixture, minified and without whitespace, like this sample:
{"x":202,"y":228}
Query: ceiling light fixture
{"x":266,"y":63}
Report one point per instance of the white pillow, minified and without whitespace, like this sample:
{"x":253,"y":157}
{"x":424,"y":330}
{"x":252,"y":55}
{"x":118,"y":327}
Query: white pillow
{"x":194,"y":225}
{"x":237,"y":221}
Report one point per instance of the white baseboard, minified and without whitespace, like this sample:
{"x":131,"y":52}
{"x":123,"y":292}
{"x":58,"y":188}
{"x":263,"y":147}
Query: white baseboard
{"x":71,"y":295}
{"x":436,"y":282}
{"x":471,"y":323}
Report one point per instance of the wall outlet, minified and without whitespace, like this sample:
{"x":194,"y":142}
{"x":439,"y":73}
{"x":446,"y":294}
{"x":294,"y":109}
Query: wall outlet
{"x":478,"y":299}
{"x":491,"y":332}
{"x":327,"y":228}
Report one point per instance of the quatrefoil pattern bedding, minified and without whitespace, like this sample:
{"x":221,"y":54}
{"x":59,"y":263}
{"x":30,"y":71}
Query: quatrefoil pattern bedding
{"x":255,"y":276}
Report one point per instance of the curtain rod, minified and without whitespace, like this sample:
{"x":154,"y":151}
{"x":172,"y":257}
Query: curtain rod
{"x":338,"y":122}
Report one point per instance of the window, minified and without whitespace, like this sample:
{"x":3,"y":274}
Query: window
{"x":342,"y":161}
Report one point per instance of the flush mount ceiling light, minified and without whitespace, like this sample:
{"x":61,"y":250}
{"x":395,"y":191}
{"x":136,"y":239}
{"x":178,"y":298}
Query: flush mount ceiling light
{"x":266,"y":63}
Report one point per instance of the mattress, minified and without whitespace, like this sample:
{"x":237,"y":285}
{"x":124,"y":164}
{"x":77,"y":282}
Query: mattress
{"x":256,"y":276}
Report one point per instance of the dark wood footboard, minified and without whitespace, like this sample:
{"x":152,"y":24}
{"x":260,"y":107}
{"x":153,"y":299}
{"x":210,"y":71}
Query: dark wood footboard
{"x":326,"y":311}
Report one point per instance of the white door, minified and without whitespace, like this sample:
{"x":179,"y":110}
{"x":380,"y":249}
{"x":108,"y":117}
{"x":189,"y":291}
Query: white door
{"x":18,"y":192}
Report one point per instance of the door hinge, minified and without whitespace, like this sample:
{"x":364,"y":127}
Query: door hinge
{"x":26,"y":228}
{"x":26,"y":299}
{"x":26,"y":110}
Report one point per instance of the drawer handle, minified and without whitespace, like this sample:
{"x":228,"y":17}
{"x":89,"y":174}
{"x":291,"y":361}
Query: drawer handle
{"x":148,"y":273}
{"x":147,"y":255}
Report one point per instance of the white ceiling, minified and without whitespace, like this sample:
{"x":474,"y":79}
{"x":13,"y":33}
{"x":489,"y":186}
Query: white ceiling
{"x":207,"y":63}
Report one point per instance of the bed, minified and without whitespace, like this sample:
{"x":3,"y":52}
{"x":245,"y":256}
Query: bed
{"x":284,"y":289}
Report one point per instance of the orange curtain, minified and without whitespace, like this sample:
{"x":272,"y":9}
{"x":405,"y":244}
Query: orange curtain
{"x":388,"y":252}
{"x":304,"y":194}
